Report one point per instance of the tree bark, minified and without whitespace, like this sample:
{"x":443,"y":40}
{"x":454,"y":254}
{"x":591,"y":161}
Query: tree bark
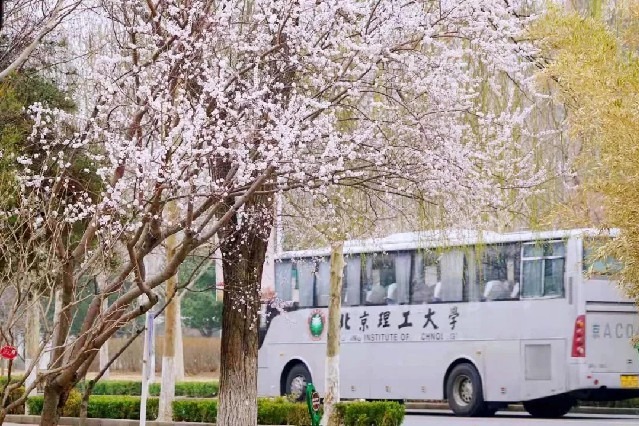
{"x":332,"y":395}
{"x":32,"y":342}
{"x":243,"y":250}
{"x":55,"y":391}
{"x":167,"y":392}
{"x":51,"y":410}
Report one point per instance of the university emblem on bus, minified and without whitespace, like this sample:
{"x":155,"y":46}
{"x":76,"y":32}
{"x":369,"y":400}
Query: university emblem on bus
{"x":316,"y":323}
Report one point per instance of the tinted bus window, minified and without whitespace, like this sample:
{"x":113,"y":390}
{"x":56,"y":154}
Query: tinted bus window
{"x":498,"y":272}
{"x":543,"y":269}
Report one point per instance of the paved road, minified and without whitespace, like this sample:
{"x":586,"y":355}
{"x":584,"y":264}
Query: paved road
{"x":445,"y":418}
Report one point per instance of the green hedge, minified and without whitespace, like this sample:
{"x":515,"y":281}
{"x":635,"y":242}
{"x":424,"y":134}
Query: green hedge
{"x":195,"y":410}
{"x":280,"y":411}
{"x":103,"y":407}
{"x":14,"y":379}
{"x":71,"y":407}
{"x":130,"y":387}
{"x":277,"y":411}
{"x":14,"y":395}
{"x":378,"y":413}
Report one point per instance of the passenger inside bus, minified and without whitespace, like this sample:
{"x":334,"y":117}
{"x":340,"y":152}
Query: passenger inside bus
{"x":427,"y":285}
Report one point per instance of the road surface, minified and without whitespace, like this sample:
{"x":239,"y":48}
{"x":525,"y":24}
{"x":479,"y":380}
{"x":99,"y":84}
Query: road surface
{"x":445,"y":418}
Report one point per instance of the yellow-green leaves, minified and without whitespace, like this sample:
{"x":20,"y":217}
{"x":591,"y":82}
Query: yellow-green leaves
{"x":595,"y":68}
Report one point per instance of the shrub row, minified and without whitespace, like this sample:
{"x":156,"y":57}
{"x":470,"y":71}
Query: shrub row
{"x":130,"y":387}
{"x":3,"y":380}
{"x":102,"y":406}
{"x":278,"y":411}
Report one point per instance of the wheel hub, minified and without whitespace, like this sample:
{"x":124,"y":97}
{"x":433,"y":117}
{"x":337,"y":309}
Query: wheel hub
{"x":463,"y":390}
{"x":298,"y":386}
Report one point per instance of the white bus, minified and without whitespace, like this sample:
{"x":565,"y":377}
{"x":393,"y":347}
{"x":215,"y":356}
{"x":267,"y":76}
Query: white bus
{"x":479,"y":319}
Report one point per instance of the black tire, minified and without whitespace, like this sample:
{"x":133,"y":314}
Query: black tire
{"x":464,"y":391}
{"x":552,"y":407}
{"x":296,"y":377}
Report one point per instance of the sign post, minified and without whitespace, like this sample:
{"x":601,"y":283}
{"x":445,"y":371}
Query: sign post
{"x":148,"y":364}
{"x":314,"y":403}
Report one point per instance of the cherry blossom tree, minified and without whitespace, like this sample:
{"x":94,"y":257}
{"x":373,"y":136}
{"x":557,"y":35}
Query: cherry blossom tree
{"x":216,"y":106}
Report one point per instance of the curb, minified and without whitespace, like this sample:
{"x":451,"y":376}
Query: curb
{"x":74,"y":421}
{"x":520,"y":408}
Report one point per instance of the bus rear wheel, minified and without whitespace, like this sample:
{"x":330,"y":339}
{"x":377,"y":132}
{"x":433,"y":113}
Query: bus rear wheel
{"x":296,"y":380}
{"x":551,"y":407}
{"x":464,"y":391}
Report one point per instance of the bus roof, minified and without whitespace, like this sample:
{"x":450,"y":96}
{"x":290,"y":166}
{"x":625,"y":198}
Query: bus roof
{"x":444,"y":238}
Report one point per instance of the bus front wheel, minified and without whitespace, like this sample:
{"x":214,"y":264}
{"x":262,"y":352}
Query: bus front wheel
{"x":296,"y":380}
{"x":551,"y":407}
{"x":464,"y":391}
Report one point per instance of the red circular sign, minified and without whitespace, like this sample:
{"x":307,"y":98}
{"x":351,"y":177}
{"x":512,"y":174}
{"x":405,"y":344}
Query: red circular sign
{"x":8,"y":352}
{"x":315,"y":400}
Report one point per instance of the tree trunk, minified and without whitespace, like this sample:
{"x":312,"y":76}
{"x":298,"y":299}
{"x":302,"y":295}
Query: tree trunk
{"x":179,"y":342}
{"x":104,"y":349}
{"x":243,"y":250}
{"x":167,"y":392}
{"x":84,"y":405}
{"x":56,"y":393}
{"x":332,"y":396}
{"x":51,"y":410}
{"x":32,"y":342}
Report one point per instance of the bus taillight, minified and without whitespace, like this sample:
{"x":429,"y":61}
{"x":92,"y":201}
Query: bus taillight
{"x":579,"y":337}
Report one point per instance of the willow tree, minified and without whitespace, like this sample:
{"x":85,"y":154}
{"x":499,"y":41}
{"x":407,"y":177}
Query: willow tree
{"x":593,"y":64}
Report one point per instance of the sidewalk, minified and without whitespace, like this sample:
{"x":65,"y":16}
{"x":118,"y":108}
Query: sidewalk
{"x":22,"y":420}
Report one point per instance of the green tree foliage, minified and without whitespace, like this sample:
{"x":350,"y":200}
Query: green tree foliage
{"x":200,"y":309}
{"x":17,"y":93}
{"x":593,"y":60}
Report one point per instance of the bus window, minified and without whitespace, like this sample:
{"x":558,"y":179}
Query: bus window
{"x":543,"y":269}
{"x":452,"y":277}
{"x":386,"y":279}
{"x":498,"y":272}
{"x":284,"y":279}
{"x":306,"y":279}
{"x":352,"y":281}
{"x":379,"y":273}
{"x":398,"y":291}
{"x":322,"y":283}
{"x":426,"y":276}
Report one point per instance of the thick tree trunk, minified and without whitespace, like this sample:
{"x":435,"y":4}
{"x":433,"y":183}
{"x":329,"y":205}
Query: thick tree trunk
{"x":333,"y":336}
{"x":51,"y":410}
{"x":243,"y":250}
{"x":32,"y":342}
{"x":55,"y":392}
{"x":167,"y":392}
